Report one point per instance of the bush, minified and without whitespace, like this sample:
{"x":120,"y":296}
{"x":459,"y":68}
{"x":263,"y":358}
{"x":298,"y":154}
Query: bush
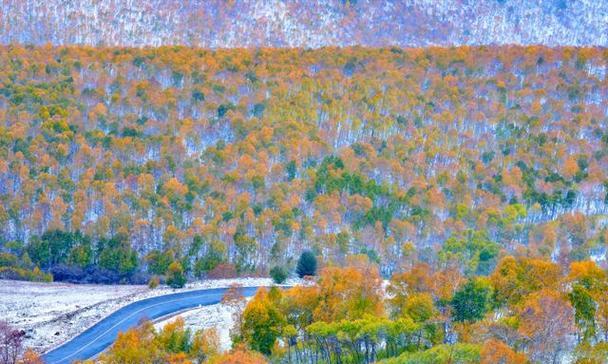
{"x":224,"y":270}
{"x":8,"y":260}
{"x":100,"y":276}
{"x":175,"y":275}
{"x":154,"y":282}
{"x":37,"y":275}
{"x":93,"y":274}
{"x":138,"y":278}
{"x":20,"y":274}
{"x":66,"y":273}
{"x":117,"y":255}
{"x":208,"y":262}
{"x":158,"y":262}
{"x":12,"y":342}
{"x":307,"y":264}
{"x":241,"y":354}
{"x":279,"y":274}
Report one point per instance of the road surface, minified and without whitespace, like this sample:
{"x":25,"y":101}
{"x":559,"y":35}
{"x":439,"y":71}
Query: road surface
{"x":98,"y":337}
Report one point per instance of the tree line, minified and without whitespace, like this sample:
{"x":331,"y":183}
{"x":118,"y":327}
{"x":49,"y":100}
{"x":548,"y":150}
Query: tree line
{"x":526,"y":310}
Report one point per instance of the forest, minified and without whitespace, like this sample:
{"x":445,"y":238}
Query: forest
{"x":118,"y":163}
{"x":527,"y":310}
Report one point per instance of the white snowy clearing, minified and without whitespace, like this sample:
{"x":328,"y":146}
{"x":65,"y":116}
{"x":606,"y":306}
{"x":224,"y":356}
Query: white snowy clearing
{"x":52,"y":313}
{"x":220,"y":317}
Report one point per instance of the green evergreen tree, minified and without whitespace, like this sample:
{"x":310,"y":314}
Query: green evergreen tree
{"x":279,"y":274}
{"x":307,"y":264}
{"x":472,"y":301}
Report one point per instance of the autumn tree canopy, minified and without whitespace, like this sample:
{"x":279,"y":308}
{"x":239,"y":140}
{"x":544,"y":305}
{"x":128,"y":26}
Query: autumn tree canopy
{"x":235,"y":161}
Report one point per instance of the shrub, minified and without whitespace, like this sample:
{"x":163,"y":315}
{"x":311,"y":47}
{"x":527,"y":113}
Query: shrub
{"x":214,"y":257}
{"x":224,"y":270}
{"x":307,"y":264}
{"x":233,"y":296}
{"x":37,"y":275}
{"x":100,"y":276}
{"x":93,"y":274}
{"x":158,"y":262}
{"x":117,"y":255}
{"x":279,"y":274}
{"x":20,"y":274}
{"x":12,"y":343}
{"x":154,"y":282}
{"x":66,"y":273}
{"x":240,"y":355}
{"x":8,"y":260}
{"x":139,"y":278}
{"x":175,"y":275}
{"x":30,"y":357}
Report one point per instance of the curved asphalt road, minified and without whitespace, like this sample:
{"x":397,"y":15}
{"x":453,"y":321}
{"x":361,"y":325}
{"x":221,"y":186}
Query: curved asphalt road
{"x":98,"y":337}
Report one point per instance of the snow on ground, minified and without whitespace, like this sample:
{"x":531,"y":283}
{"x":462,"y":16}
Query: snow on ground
{"x":220,"y":317}
{"x":52,"y":313}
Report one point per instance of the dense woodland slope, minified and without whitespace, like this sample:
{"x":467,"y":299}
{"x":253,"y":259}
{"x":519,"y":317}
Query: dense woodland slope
{"x":304,"y":23}
{"x":250,"y":156}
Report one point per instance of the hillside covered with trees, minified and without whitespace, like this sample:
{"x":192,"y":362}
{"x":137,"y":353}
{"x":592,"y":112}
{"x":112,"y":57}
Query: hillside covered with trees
{"x":235,"y":161}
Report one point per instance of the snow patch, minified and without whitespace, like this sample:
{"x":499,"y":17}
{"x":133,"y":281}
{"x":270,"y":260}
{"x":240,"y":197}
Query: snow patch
{"x":53,"y":313}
